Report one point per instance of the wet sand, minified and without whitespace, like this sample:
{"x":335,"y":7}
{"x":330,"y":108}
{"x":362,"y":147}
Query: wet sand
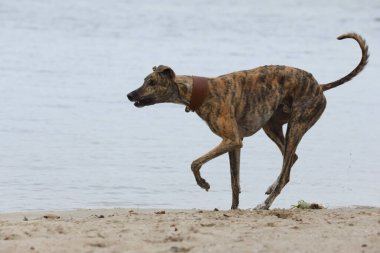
{"x":151,"y":230}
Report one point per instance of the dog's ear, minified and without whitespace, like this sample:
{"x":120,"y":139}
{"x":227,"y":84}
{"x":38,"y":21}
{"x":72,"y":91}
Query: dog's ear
{"x":165,"y":72}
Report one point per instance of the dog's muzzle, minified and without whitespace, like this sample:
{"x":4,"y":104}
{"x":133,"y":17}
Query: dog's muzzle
{"x":140,"y":101}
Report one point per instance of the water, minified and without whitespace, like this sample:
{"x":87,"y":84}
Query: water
{"x":70,"y":139}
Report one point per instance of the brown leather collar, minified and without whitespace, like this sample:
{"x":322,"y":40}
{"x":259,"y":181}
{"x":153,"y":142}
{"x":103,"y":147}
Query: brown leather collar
{"x":198,"y":94}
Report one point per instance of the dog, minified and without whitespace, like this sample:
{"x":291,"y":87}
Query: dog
{"x":239,"y":104}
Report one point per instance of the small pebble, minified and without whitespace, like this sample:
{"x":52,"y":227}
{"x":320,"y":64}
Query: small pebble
{"x":51,"y":216}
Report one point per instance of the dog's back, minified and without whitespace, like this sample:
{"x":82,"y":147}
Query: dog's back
{"x":256,"y":94}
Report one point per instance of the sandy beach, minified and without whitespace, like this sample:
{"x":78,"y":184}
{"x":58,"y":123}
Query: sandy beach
{"x":151,"y":230}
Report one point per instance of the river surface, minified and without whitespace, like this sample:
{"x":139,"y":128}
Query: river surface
{"x":70,"y":139}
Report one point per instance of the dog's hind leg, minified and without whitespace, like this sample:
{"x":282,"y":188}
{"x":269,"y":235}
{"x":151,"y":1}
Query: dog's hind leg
{"x":273,"y":130}
{"x":303,"y":117}
{"x":235,"y":176}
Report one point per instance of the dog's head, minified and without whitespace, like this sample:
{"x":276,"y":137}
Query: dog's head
{"x":158,"y":87}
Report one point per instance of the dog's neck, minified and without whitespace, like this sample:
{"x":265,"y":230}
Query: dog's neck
{"x":185,"y":88}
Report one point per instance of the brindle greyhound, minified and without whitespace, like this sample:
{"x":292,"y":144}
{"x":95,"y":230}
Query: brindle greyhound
{"x":239,"y":104}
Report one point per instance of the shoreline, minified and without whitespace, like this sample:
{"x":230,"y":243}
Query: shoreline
{"x":81,"y":209}
{"x":355,"y":229}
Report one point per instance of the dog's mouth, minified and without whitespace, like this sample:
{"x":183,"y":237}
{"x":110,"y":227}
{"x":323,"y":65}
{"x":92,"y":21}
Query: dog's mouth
{"x":144,"y":101}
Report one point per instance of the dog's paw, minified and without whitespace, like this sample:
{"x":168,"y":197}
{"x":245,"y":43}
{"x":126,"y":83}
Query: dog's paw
{"x":262,"y":206}
{"x":203,"y":184}
{"x":234,"y":205}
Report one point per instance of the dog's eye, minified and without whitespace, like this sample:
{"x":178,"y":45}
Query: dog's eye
{"x":151,"y":83}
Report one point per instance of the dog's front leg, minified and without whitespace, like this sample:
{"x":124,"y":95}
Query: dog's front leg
{"x":235,"y":176}
{"x":226,"y":145}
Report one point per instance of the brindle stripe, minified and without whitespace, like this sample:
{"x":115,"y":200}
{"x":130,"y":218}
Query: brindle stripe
{"x":303,"y":85}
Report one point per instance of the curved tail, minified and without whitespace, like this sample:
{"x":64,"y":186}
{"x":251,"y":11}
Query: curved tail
{"x":358,"y":69}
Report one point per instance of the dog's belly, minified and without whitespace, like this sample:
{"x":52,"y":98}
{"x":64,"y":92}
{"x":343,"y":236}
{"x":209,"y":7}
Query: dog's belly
{"x":250,"y":127}
{"x":252,"y":121}
{"x":256,"y":107}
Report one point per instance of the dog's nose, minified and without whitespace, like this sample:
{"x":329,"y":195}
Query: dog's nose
{"x":130,"y":96}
